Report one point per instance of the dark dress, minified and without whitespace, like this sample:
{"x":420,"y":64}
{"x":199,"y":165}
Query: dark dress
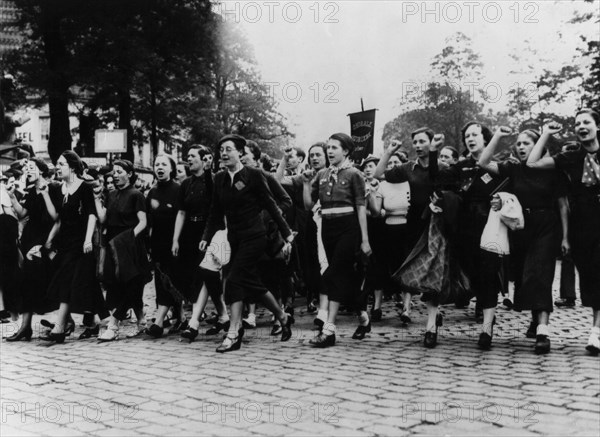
{"x":9,"y":261}
{"x":74,"y":281}
{"x":37,"y":272}
{"x":533,"y":250}
{"x":241,"y":202}
{"x":485,"y":270}
{"x":341,"y":233}
{"x":195,"y":199}
{"x":162,"y":206}
{"x":584,"y":230}
{"x":122,"y":207}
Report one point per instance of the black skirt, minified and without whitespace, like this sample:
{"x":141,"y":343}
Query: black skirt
{"x":9,"y":262}
{"x":585,"y":242}
{"x":242,"y":279}
{"x":341,"y":240}
{"x":533,"y":259}
{"x":74,"y":282}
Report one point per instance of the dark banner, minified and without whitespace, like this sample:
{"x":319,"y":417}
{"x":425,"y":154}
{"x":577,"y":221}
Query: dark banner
{"x":362,"y":129}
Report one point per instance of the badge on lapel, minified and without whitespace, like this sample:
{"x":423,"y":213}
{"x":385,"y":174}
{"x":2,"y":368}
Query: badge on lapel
{"x":239,"y":185}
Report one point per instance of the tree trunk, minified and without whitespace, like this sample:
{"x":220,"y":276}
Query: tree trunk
{"x":58,"y":88}
{"x":125,"y":121}
{"x":153,"y":122}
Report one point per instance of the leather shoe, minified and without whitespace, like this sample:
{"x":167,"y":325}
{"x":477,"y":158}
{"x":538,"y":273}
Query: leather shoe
{"x":218,"y":328}
{"x":189,"y":334}
{"x":376,"y":315}
{"x":155,"y":331}
{"x":361,"y":331}
{"x":276,"y":329}
{"x":542,"y":344}
{"x":323,"y":340}
{"x":568,"y":303}
{"x":54,"y":336}
{"x":90,"y":332}
{"x":430,"y":340}
{"x":318,"y":323}
{"x":231,"y":344}
{"x":485,"y":341}
{"x":286,"y":330}
{"x":404,"y":318}
{"x":25,"y":334}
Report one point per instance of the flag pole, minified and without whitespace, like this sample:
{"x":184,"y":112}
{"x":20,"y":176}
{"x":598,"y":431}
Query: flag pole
{"x":362,"y":107}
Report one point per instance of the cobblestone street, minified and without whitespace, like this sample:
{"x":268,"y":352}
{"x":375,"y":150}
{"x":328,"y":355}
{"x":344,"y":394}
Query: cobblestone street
{"x":387,"y":384}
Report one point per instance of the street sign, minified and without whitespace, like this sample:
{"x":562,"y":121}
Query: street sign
{"x":111,"y":141}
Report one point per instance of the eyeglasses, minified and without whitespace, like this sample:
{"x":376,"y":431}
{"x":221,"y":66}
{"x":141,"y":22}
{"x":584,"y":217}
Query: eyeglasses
{"x":206,"y":159}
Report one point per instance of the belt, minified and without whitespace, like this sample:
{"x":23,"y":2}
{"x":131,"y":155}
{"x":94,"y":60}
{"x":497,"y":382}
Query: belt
{"x":338,"y":210}
{"x":530,"y":210}
{"x":197,"y":218}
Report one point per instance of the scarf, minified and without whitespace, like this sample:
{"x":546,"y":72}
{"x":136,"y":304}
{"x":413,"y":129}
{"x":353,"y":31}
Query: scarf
{"x":334,"y":170}
{"x":591,"y":170}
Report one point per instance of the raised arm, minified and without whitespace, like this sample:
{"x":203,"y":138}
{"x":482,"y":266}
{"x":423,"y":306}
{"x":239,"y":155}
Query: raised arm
{"x":383,"y":162}
{"x":535,"y":159}
{"x":485,"y":160}
{"x":307,"y":181}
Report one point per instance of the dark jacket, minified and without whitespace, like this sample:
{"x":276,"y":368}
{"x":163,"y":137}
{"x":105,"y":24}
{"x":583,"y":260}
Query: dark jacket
{"x":241,"y":204}
{"x":128,"y":258}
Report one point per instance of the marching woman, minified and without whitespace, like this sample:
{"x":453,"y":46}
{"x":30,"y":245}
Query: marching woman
{"x":39,"y":207}
{"x":240,"y":194}
{"x":127,"y":267}
{"x":341,"y":191}
{"x":533,"y":249}
{"x":393,"y":201}
{"x":583,"y":169}
{"x":476,"y":186}
{"x":195,"y":196}
{"x":74,"y":285}
{"x":377,"y":271}
{"x":161,"y":205}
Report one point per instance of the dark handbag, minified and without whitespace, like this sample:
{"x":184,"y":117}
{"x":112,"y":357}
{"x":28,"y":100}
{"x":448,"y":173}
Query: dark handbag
{"x":275,"y":241}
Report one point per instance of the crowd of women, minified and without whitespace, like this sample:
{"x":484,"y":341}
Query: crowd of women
{"x":443,"y":227}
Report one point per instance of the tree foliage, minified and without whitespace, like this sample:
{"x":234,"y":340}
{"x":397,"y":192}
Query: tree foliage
{"x":165,"y":70}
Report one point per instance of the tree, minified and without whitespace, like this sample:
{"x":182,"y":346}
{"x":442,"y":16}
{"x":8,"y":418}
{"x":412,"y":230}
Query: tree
{"x":449,"y":99}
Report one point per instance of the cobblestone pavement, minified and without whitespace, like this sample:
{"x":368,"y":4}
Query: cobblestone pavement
{"x":387,"y":384}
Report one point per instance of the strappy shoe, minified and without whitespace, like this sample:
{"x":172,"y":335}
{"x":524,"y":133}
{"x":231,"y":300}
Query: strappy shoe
{"x":231,"y":344}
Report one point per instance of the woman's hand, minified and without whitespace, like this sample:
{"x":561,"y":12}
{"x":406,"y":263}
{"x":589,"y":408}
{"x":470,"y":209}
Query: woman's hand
{"x":552,"y":128}
{"x":87,"y":247}
{"x":393,"y":147}
{"x":202,"y":245}
{"x":175,"y":248}
{"x":437,"y":142}
{"x":365,"y":247}
{"x":502,"y":131}
{"x":48,"y":244}
{"x":496,"y":203}
{"x":308,"y":175}
{"x":565,"y":247}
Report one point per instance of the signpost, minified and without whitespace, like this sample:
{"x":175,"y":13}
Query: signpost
{"x":110,"y":141}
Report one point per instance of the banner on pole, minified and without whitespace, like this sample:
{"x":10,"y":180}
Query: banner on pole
{"x":362,"y":129}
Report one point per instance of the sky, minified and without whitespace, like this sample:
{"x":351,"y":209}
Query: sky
{"x":321,"y":58}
